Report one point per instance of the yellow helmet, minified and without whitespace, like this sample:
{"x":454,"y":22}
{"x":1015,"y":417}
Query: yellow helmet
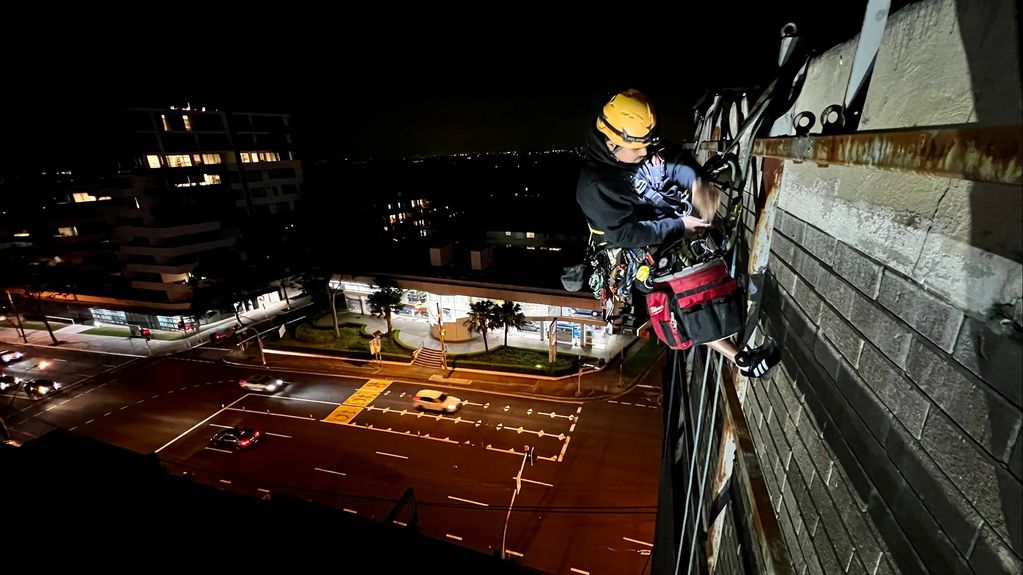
{"x":628,"y":120}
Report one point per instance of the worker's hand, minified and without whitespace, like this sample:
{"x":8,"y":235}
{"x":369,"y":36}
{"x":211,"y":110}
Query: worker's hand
{"x":694,"y":223}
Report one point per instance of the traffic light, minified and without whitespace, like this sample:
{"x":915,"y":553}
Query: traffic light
{"x":146,"y":334}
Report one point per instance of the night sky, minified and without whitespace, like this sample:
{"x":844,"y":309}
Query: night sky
{"x":506,"y":82}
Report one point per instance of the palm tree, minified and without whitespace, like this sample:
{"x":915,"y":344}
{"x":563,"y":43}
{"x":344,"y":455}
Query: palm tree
{"x":334,"y":288}
{"x":510,"y":315}
{"x":482,"y":318}
{"x":385,"y":301}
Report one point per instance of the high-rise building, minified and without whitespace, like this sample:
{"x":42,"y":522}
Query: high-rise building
{"x":197,"y":194}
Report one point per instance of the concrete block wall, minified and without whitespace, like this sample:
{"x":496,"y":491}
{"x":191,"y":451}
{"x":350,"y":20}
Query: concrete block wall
{"x":891,"y":436}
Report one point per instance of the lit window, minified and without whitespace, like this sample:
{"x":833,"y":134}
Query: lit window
{"x":530,"y":235}
{"x":179,"y":160}
{"x":210,"y":179}
{"x":83,"y":197}
{"x":245,"y":158}
{"x":196,"y":159}
{"x":507,"y":233}
{"x":153,"y":160}
{"x":166,"y":126}
{"x":67,"y":232}
{"x":211,"y":158}
{"x":188,"y":123}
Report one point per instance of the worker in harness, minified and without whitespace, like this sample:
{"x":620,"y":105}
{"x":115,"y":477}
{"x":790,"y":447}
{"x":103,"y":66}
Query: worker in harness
{"x":637,"y":198}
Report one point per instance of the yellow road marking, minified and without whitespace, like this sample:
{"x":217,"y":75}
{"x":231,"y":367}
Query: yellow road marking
{"x":343,"y":414}
{"x":362,"y":398}
{"x":352,"y":406}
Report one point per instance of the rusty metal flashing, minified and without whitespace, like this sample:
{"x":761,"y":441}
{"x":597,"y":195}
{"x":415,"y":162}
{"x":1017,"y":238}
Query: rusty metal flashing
{"x":968,"y":152}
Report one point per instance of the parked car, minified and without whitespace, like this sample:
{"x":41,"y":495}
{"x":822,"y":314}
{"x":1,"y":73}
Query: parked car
{"x":433,"y":400}
{"x":236,"y":438}
{"x":530,"y":326}
{"x":42,"y":387}
{"x":262,"y":382}
{"x":11,"y":355}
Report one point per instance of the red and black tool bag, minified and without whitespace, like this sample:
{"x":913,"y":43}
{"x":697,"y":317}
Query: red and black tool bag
{"x":697,"y":305}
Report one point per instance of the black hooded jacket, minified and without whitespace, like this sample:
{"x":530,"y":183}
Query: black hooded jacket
{"x":605,"y":194}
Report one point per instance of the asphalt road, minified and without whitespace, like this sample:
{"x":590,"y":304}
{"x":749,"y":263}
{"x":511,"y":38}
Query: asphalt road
{"x":585,"y":504}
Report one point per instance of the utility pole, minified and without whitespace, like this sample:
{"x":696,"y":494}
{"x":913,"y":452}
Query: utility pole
{"x":518,"y":487}
{"x":17,"y":316}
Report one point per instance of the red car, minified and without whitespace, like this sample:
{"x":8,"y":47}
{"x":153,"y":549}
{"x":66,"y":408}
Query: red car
{"x":236,"y":438}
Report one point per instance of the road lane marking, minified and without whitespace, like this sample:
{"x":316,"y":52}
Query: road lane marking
{"x":536,"y":482}
{"x":571,"y":429}
{"x":361,"y":398}
{"x":90,"y":421}
{"x":515,"y":553}
{"x":401,"y":523}
{"x":561,"y":455}
{"x":107,"y":413}
{"x":638,"y":541}
{"x":468,"y":501}
{"x":579,"y":571}
{"x":139,"y":401}
{"x":455,"y":537}
{"x":52,"y":407}
{"x":279,"y":435}
{"x":377,"y":385}
{"x":512,"y":451}
{"x":404,"y":433}
{"x":220,"y":450}
{"x":306,"y":418}
{"x":342,"y":415}
{"x":648,"y":386}
{"x":329,"y":471}
{"x":355,"y":403}
{"x":225,"y":481}
{"x":551,"y":414}
{"x":73,"y":428}
{"x":261,"y":490}
{"x":65,"y":401}
{"x":352,"y":511}
{"x":196,"y":426}
{"x":124,"y":407}
{"x":155,"y":396}
{"x":391,"y":455}
{"x":520,"y":430}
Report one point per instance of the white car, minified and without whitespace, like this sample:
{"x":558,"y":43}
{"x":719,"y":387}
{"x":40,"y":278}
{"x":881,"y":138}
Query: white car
{"x":433,"y":400}
{"x":10,"y":355}
{"x":262,"y":382}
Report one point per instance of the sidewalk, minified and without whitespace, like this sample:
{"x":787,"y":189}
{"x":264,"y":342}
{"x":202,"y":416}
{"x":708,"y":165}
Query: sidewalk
{"x":71,"y":336}
{"x":592,"y":384}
